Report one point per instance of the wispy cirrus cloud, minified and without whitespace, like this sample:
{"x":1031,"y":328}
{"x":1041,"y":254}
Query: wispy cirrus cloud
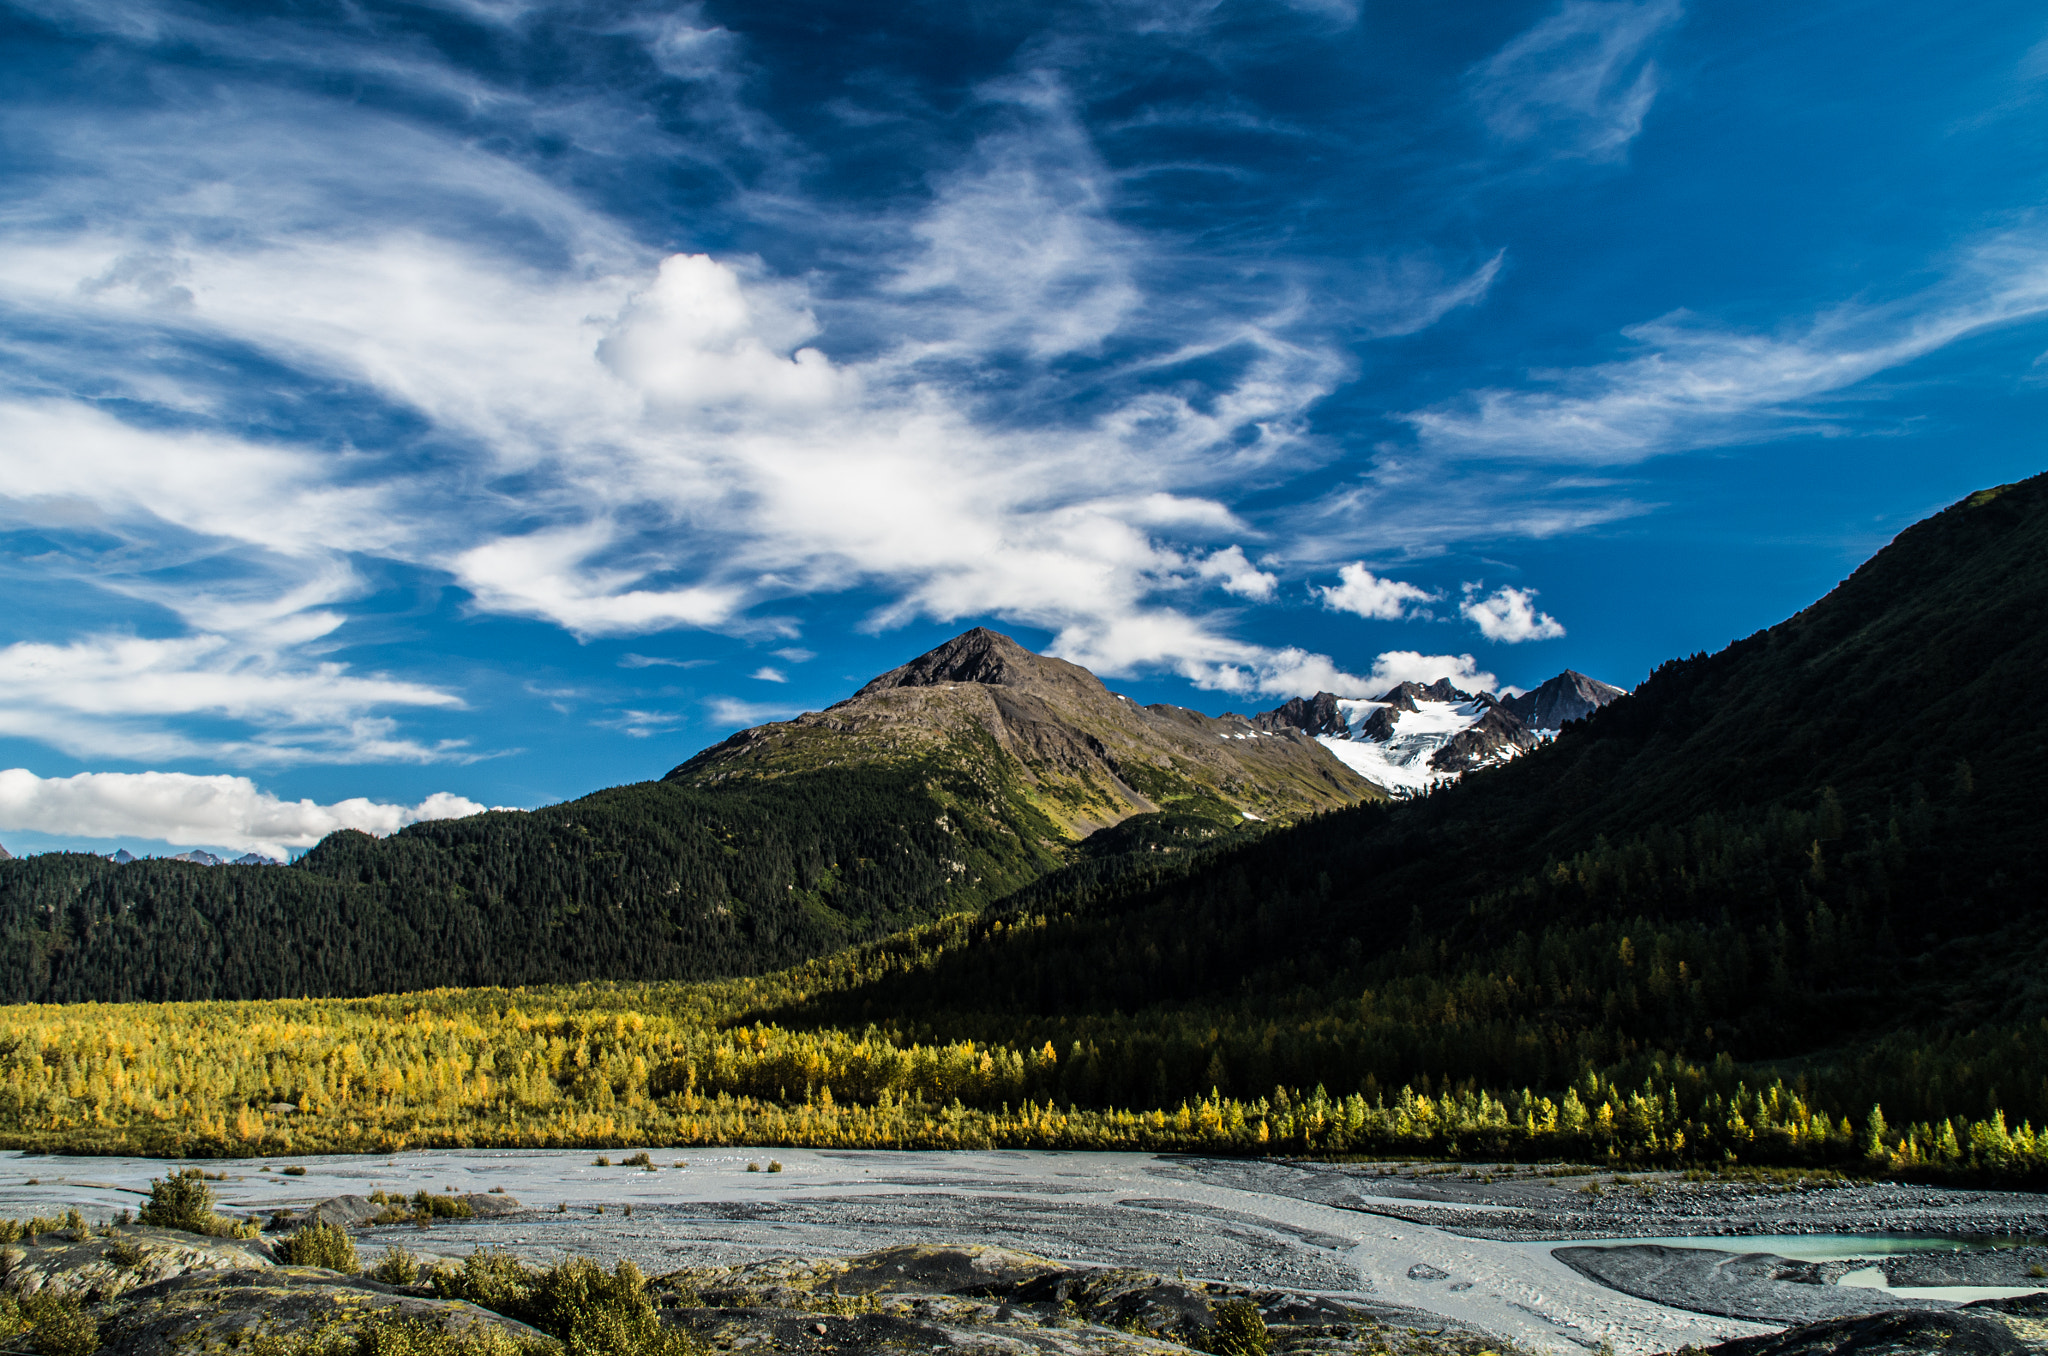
{"x":109,"y":695}
{"x":619,"y":442}
{"x":1580,"y":82}
{"x":1692,"y":384}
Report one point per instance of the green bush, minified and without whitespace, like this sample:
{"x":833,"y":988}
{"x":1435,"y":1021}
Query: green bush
{"x":591,"y":1311}
{"x":184,"y":1201}
{"x":396,"y":1267}
{"x":1240,"y":1331}
{"x":55,"y":1325}
{"x":320,"y":1245}
{"x":395,"y":1337}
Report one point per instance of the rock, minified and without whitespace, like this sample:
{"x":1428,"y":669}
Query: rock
{"x":1756,"y":1285}
{"x":353,"y":1212}
{"x":1987,"y":1328}
{"x":106,"y":1264}
{"x":1000,"y":1300}
{"x":230,"y":1308}
{"x":1569,"y":696}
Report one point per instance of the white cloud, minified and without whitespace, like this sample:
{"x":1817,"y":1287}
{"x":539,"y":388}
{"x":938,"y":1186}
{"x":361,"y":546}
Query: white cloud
{"x":640,"y":724}
{"x":769,"y":674}
{"x":736,"y":713}
{"x":1579,"y":80}
{"x":177,"y":807}
{"x":796,"y":654}
{"x":644,"y":661}
{"x":1235,"y":574}
{"x":1693,"y":385}
{"x":1508,"y":615}
{"x":1395,"y":667}
{"x":619,"y":441}
{"x":107,"y":695}
{"x":698,"y":337}
{"x":1361,"y":591}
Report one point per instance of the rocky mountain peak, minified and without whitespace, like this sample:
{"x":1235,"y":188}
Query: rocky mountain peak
{"x":5,"y":855}
{"x":1315,"y":715}
{"x":1569,"y":696}
{"x":981,"y":656}
{"x":1405,"y":695}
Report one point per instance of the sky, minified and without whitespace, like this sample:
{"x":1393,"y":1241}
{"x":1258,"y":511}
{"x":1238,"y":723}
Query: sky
{"x":411,"y":408}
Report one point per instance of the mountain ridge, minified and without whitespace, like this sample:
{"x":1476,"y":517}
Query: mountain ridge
{"x":1049,"y":732}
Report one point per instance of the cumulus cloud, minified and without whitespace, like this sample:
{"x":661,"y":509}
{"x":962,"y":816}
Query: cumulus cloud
{"x":1508,"y":615}
{"x":1235,"y":574}
{"x":177,"y":807}
{"x":1360,"y":591}
{"x":1580,"y":80}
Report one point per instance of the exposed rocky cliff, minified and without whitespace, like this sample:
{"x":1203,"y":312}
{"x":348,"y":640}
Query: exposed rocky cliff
{"x":1569,"y":696}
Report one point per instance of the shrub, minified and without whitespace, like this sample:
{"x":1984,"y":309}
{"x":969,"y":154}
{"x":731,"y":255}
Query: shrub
{"x":600,"y":1162}
{"x":643,"y":1159}
{"x":320,"y":1245}
{"x":775,"y":1165}
{"x":591,"y":1311}
{"x":295,"y":1170}
{"x":124,"y":1253}
{"x":396,"y":1267}
{"x":421,"y":1207}
{"x":1240,"y":1331}
{"x":383,"y":1336}
{"x":184,"y":1201}
{"x":56,"y":1325}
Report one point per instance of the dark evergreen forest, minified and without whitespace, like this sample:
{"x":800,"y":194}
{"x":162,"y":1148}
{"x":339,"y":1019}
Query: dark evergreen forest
{"x":646,"y":881}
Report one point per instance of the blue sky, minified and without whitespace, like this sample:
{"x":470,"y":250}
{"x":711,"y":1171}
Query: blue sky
{"x":407,"y":407}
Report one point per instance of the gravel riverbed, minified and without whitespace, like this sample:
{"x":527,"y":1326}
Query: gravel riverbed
{"x":1474,"y":1247}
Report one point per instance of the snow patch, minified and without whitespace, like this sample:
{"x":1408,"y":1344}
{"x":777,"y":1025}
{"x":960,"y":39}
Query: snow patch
{"x":1401,"y":762}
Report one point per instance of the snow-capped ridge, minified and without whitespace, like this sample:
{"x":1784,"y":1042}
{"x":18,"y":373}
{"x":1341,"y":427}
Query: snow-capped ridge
{"x":1416,"y":735}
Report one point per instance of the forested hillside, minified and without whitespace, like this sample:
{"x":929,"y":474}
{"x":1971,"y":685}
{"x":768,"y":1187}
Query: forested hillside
{"x":653,"y":880}
{"x":943,"y":785}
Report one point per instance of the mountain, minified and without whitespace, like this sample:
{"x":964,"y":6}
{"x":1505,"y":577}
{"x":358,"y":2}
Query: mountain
{"x":199,"y":857}
{"x":5,"y":855}
{"x":1569,"y":696}
{"x":942,"y":786}
{"x":1816,"y":853}
{"x":1417,"y":736}
{"x":1050,"y":734}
